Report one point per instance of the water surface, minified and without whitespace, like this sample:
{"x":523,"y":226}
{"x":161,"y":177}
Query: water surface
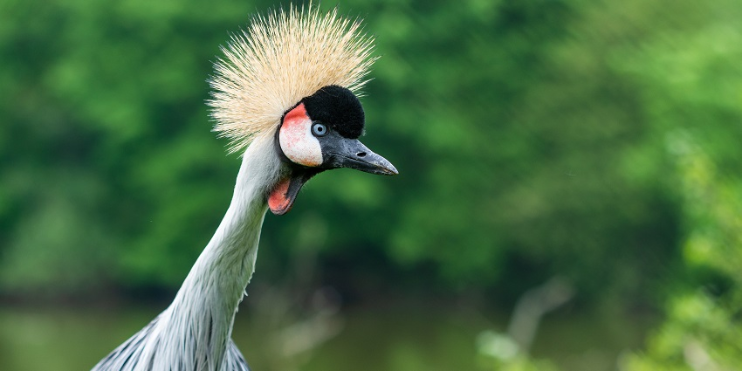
{"x":394,"y":338}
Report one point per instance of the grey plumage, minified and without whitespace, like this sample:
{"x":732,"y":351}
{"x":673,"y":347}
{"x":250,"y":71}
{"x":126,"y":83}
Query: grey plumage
{"x":281,"y":60}
{"x":128,"y":356}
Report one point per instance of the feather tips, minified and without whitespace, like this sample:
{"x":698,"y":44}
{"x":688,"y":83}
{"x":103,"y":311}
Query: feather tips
{"x":277,"y":61}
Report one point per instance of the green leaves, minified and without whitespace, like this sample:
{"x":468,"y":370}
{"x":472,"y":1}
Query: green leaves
{"x":532,"y":139}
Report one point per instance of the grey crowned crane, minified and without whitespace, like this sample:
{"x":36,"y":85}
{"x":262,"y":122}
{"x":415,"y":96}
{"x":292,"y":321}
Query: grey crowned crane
{"x":284,"y":94}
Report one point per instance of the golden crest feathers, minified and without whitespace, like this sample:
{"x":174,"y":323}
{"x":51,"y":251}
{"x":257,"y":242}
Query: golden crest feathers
{"x":277,"y":61}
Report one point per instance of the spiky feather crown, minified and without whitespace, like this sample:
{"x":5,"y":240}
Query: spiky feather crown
{"x":279,"y":60}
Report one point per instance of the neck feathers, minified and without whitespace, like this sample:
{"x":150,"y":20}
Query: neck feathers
{"x":200,"y":318}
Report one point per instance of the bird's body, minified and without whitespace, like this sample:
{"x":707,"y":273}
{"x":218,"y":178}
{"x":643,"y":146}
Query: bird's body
{"x":195,"y":331}
{"x":292,"y":107}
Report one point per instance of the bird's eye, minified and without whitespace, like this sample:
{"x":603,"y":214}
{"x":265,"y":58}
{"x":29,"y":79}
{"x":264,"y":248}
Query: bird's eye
{"x":319,"y":129}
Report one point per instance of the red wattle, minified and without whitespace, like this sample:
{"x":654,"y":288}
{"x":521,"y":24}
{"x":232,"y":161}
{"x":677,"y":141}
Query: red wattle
{"x":278,"y":200}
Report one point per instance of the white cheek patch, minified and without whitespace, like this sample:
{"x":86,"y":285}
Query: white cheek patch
{"x":297,"y":141}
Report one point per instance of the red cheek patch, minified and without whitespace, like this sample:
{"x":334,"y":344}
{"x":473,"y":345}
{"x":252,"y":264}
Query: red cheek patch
{"x":296,"y":140}
{"x":297,"y":114}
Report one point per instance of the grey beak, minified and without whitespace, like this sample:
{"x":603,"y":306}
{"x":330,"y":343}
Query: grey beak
{"x":353,"y":154}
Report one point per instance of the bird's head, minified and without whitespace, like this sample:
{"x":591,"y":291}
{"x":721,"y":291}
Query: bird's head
{"x":294,"y":77}
{"x":321,"y":133}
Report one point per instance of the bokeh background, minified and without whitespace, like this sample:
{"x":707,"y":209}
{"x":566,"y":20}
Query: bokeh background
{"x":570,"y":193}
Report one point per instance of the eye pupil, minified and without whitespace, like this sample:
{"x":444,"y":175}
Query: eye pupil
{"x":319,"y":129}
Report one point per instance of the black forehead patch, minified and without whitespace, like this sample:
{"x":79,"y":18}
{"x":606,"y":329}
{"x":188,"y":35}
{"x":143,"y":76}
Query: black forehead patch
{"x":337,"y":107}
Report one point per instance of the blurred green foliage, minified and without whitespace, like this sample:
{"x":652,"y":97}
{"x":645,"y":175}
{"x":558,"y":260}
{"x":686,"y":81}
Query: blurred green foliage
{"x":599,"y":141}
{"x":696,"y":106}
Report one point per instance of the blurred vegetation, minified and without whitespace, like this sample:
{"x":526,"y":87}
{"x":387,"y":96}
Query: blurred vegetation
{"x":597,"y":141}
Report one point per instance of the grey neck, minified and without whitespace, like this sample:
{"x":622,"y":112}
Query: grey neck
{"x":198,"y":324}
